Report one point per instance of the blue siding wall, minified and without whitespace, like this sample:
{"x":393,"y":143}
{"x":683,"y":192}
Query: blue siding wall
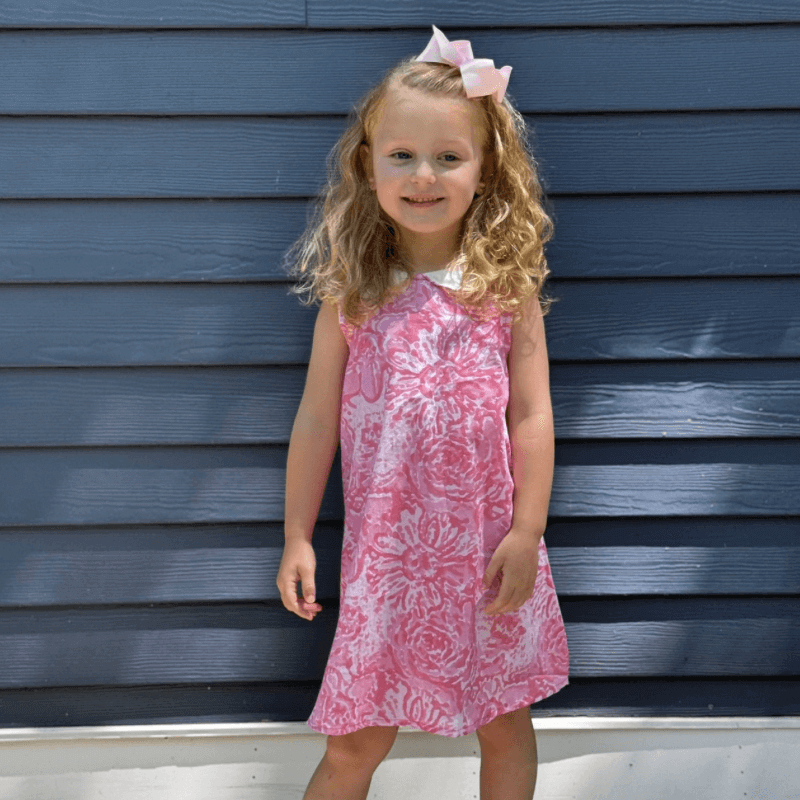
{"x":156,"y":160}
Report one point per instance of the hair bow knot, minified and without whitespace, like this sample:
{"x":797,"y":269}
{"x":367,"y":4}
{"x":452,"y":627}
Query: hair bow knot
{"x":480,"y":75}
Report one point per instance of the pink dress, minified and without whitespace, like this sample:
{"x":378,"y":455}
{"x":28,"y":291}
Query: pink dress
{"x":428,"y":496}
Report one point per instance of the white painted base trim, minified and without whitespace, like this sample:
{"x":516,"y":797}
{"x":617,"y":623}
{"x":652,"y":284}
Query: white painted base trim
{"x":661,"y":758}
{"x":541,"y":724}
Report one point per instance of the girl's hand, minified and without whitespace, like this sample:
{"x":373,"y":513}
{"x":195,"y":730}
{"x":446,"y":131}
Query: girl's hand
{"x":298,"y":564}
{"x":517,"y":557}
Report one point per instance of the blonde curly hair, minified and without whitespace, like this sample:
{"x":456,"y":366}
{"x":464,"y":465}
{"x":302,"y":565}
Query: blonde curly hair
{"x":346,"y":252}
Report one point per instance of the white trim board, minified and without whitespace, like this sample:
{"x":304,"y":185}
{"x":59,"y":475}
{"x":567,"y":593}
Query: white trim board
{"x":657,"y":758}
{"x":541,"y":725}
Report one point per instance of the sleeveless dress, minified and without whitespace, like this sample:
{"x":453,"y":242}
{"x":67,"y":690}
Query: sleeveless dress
{"x":428,"y":489}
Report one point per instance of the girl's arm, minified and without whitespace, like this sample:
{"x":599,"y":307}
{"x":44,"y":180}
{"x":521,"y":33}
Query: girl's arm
{"x":530,"y":422}
{"x":315,"y":434}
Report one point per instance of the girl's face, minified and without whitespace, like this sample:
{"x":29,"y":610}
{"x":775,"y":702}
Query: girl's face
{"x":426,"y":147}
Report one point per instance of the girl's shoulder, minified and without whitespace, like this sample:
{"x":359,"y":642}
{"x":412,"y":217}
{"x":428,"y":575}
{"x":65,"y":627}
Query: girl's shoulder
{"x":347,"y":328}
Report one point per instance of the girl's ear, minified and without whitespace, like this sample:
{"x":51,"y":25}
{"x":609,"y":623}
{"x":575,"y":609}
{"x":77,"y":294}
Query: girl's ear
{"x":366,"y":160}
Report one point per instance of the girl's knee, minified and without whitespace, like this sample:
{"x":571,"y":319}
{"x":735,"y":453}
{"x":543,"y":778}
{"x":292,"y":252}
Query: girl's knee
{"x":514,"y":727}
{"x":521,"y":716}
{"x":362,"y":749}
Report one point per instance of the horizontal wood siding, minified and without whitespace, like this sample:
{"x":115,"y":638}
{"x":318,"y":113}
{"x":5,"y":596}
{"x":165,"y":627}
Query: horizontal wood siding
{"x":50,"y":567}
{"x":383,"y":13}
{"x":153,"y":14}
{"x":207,"y":405}
{"x":224,"y":240}
{"x":111,"y":486}
{"x":138,"y":325}
{"x":157,"y":159}
{"x":357,"y":13}
{"x":188,"y":645}
{"x":278,"y":157}
{"x":278,"y":72}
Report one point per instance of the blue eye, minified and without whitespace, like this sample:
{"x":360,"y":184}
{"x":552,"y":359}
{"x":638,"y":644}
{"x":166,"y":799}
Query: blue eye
{"x":403,"y":153}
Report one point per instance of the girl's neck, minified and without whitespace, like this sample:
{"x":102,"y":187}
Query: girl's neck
{"x":427,"y":253}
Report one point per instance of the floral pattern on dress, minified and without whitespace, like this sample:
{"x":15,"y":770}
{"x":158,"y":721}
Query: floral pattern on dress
{"x":428,"y":489}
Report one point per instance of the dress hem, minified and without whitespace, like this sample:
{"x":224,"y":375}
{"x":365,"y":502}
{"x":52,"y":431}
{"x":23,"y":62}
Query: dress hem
{"x":534,"y":698}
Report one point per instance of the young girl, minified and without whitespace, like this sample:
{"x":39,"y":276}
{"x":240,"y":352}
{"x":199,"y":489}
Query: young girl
{"x":429,"y":365}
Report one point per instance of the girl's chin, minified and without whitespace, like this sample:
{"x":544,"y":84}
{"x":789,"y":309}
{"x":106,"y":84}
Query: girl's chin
{"x":417,"y":224}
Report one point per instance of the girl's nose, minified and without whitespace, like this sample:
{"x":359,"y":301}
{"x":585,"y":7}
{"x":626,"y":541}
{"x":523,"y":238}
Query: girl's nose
{"x":424,"y":172}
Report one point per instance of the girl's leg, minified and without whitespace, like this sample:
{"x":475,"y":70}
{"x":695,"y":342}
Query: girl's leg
{"x":508,"y":757}
{"x":346,"y":769}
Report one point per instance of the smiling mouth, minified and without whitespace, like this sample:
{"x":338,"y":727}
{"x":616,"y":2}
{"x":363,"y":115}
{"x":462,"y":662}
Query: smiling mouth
{"x":427,"y":202}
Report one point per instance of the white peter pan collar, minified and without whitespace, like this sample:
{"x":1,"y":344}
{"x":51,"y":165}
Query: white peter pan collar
{"x":449,"y":277}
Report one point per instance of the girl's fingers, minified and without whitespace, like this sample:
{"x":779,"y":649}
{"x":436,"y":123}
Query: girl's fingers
{"x":288,"y":593}
{"x":499,"y":604}
{"x":295,"y":597}
{"x":513,"y":603}
{"x":309,"y":610}
{"x":297,"y":605}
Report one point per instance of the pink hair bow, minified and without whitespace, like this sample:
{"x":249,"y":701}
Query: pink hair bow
{"x":480,"y":75}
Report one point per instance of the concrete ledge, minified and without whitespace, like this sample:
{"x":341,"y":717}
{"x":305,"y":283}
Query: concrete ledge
{"x":660,"y":758}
